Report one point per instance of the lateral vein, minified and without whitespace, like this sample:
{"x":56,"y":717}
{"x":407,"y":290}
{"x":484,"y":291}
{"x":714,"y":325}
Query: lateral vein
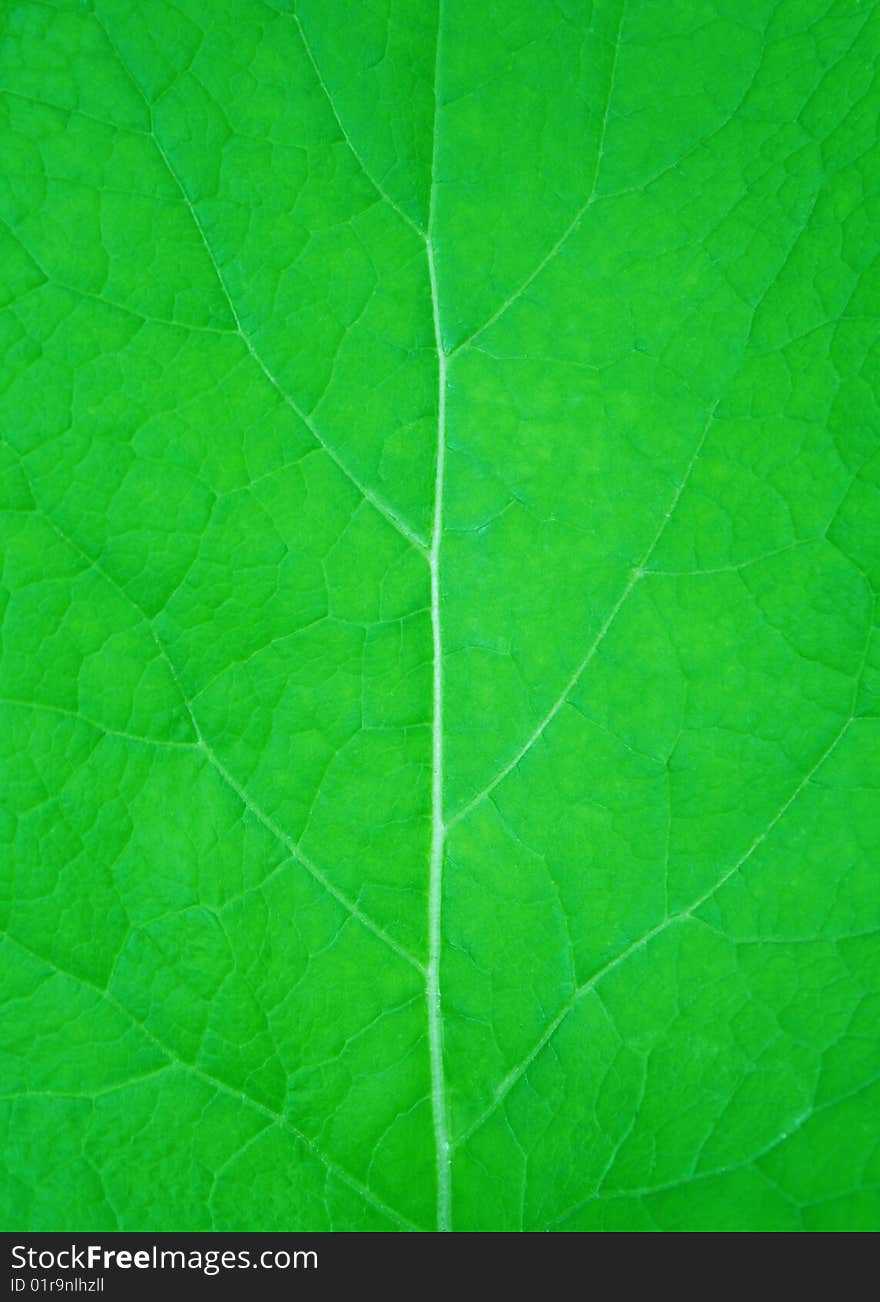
{"x":516,"y":1073}
{"x":375,"y":499}
{"x":635,"y":574}
{"x":576,"y":219}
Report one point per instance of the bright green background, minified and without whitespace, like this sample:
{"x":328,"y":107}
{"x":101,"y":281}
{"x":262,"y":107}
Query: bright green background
{"x":655,"y":232}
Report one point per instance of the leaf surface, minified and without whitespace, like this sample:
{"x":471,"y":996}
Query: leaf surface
{"x":440,"y":681}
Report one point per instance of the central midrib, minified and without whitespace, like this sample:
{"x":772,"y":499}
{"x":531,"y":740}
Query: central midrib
{"x":438,"y":826}
{"x":433,"y":1006}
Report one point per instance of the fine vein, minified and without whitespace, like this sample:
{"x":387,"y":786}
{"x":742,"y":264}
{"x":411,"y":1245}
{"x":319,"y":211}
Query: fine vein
{"x":201,"y":744}
{"x":216,"y":1082}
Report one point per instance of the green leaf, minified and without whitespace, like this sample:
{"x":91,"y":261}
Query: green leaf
{"x":440,"y":693}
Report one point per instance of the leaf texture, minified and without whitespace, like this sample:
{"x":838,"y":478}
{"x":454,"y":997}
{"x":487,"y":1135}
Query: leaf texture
{"x":440,"y":680}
